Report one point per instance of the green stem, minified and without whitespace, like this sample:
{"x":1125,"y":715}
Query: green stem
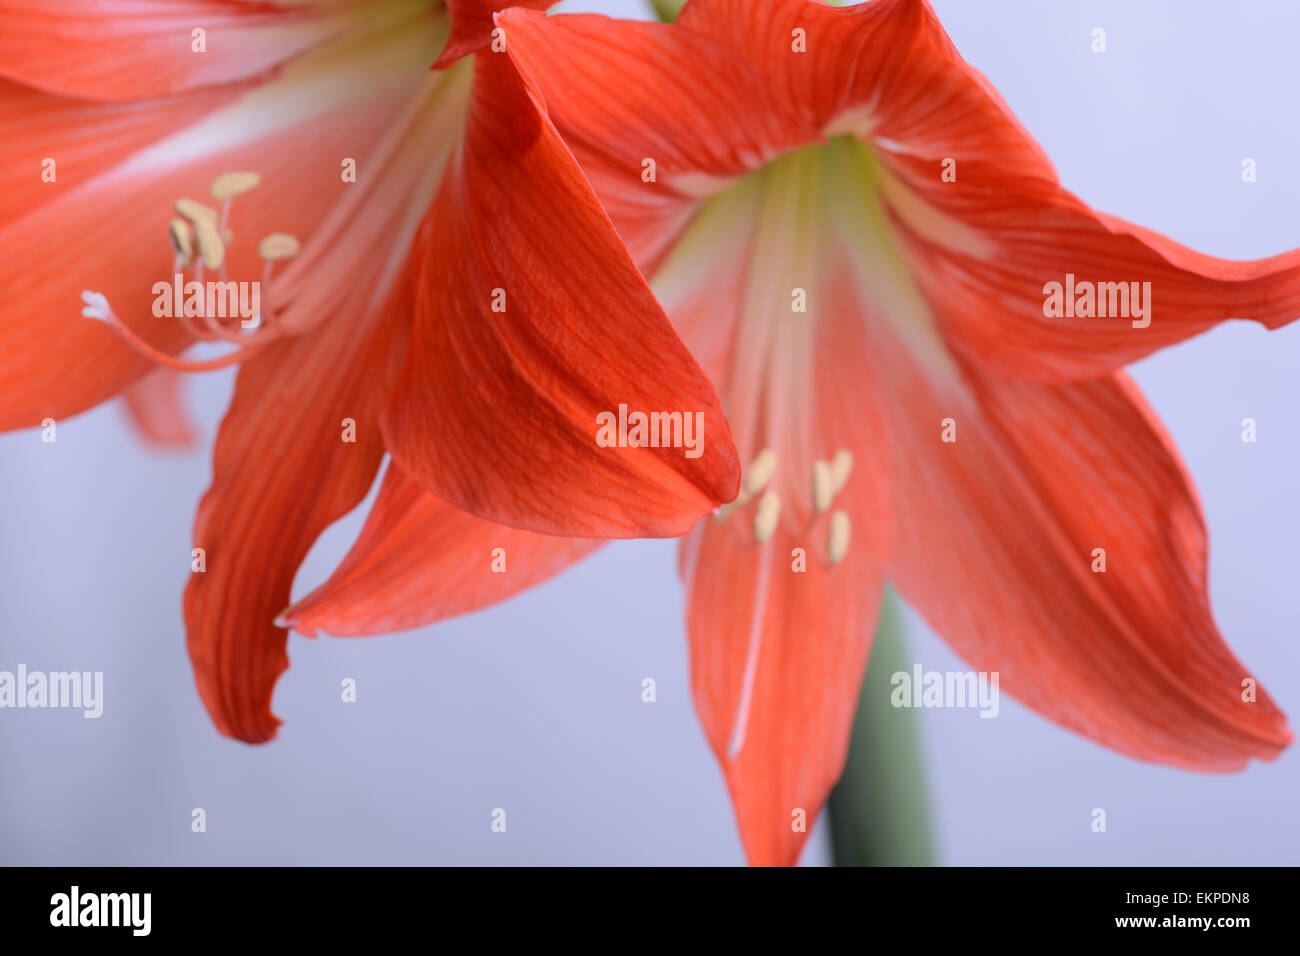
{"x":879,"y":813}
{"x":667,"y":10}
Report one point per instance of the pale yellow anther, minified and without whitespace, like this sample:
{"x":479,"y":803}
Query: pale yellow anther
{"x":278,"y":245}
{"x":179,"y":231}
{"x":229,"y":185}
{"x":195,"y":211}
{"x":766,"y":516}
{"x":211,"y":249}
{"x":823,"y":486}
{"x":837,"y":542}
{"x":841,"y":466}
{"x":759,"y":473}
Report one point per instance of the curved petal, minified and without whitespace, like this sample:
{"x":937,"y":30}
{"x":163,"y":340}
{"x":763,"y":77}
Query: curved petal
{"x":988,"y":248}
{"x":1000,"y":537}
{"x":657,"y":116}
{"x":513,"y":359}
{"x":131,"y":49}
{"x":156,"y":408}
{"x":419,"y":560}
{"x":284,"y":468}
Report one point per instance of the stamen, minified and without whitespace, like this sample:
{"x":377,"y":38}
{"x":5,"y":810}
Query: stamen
{"x":229,"y":185}
{"x":841,"y":467}
{"x":179,"y":230}
{"x":200,"y":237}
{"x":837,"y":542}
{"x":766,"y":516}
{"x":759,"y":473}
{"x":823,"y":486}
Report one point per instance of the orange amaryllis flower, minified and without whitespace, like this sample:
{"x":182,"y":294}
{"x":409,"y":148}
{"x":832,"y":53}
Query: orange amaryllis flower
{"x":870,"y":255}
{"x":419,"y":266}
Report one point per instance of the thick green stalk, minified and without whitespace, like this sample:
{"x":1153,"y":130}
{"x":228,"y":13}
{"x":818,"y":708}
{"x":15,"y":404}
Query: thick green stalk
{"x":879,"y":812}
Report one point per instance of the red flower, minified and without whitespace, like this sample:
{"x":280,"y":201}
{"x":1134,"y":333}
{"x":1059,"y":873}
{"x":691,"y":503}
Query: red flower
{"x":437,"y":281}
{"x":858,"y":240}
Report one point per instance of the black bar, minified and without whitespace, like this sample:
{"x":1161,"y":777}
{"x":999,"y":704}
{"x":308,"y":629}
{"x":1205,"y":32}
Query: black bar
{"x":303,"y":905}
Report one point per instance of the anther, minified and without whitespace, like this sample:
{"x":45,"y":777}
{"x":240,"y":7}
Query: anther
{"x":195,"y":211}
{"x":277,"y":246}
{"x":211,"y":249}
{"x":766,"y":516}
{"x":759,"y":473}
{"x":229,"y":185}
{"x":179,"y":230}
{"x":837,"y":542}
{"x":841,"y":466}
{"x":823,"y":486}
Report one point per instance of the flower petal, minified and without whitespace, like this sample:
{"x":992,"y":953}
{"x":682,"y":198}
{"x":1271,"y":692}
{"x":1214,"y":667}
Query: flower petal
{"x":656,"y":115}
{"x":991,"y":297}
{"x":419,"y":560}
{"x":778,"y":653}
{"x":156,"y":407}
{"x":530,"y":321}
{"x":283,"y":470}
{"x":472,"y":26}
{"x":130,"y":49}
{"x":997,"y":538}
{"x":885,"y":70}
{"x":82,"y":138}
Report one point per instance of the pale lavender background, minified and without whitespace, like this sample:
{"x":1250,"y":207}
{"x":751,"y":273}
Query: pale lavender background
{"x":534,"y":706}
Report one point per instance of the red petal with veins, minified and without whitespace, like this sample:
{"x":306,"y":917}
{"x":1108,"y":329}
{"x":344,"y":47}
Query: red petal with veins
{"x":530,"y":321}
{"x":990,"y":297}
{"x":886,"y":68}
{"x":133,"y":49}
{"x":282,"y":473}
{"x":995,"y":541}
{"x":419,"y":560}
{"x":778,"y":654}
{"x":472,"y":25}
{"x":623,"y":92}
{"x":83,"y":138}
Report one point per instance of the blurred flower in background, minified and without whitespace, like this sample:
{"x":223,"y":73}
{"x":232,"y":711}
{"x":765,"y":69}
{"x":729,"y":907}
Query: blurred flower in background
{"x":428,"y":309}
